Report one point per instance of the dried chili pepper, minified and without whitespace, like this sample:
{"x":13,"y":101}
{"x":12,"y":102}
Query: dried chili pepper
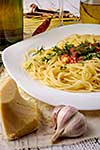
{"x":42,"y":27}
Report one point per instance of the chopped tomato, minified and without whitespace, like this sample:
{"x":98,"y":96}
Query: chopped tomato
{"x":73,"y":59}
{"x":93,"y":44}
{"x":65,"y":58}
{"x":72,"y":49}
{"x":74,"y":54}
{"x":98,"y":49}
{"x":80,"y":58}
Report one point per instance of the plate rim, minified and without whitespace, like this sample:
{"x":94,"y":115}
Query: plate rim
{"x":43,"y":34}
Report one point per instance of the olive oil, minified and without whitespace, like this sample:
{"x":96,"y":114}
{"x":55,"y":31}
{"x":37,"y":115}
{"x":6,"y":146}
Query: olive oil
{"x":90,"y":11}
{"x":11,"y":22}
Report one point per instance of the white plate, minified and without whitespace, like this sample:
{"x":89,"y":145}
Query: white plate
{"x":13,"y":58}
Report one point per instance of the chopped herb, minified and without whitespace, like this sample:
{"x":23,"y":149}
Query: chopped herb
{"x":39,"y":51}
{"x":89,"y":56}
{"x":77,"y":48}
{"x":34,"y":59}
{"x":65,"y":50}
{"x":28,"y":66}
{"x":86,"y":50}
{"x":82,"y":63}
{"x":98,"y":55}
{"x":45,"y":59}
{"x":84,"y":44}
{"x":63,"y":67}
{"x":57,"y":50}
{"x":68,"y":46}
{"x":48,"y":57}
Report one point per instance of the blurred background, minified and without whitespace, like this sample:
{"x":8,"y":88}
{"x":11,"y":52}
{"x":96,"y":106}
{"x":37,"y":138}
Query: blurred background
{"x":37,"y":11}
{"x":69,"y":5}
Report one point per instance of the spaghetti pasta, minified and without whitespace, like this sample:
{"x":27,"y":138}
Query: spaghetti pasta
{"x":72,"y":65}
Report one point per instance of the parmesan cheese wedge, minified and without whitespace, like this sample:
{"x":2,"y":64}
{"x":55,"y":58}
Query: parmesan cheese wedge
{"x":17,"y":115}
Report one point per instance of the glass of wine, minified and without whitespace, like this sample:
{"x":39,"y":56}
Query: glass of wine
{"x":60,"y":12}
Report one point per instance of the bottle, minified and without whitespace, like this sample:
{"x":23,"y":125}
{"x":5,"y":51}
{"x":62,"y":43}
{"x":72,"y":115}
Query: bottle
{"x":90,"y":11}
{"x":11,"y":22}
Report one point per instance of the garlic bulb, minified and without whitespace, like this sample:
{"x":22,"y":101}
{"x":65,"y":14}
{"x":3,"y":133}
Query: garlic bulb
{"x":69,"y":122}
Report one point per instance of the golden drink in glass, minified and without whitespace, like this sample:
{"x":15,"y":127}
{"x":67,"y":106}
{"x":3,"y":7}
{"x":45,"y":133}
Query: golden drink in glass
{"x":90,"y":11}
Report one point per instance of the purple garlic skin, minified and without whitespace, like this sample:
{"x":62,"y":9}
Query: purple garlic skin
{"x":69,"y":122}
{"x":55,"y":114}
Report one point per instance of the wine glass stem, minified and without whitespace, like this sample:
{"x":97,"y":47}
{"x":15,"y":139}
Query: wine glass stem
{"x":60,"y":12}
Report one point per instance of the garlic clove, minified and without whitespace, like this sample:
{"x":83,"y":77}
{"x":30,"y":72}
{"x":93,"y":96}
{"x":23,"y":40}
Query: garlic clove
{"x":55,"y":114}
{"x":77,"y":126}
{"x":70,"y":123}
{"x":65,"y":114}
{"x":56,"y":135}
